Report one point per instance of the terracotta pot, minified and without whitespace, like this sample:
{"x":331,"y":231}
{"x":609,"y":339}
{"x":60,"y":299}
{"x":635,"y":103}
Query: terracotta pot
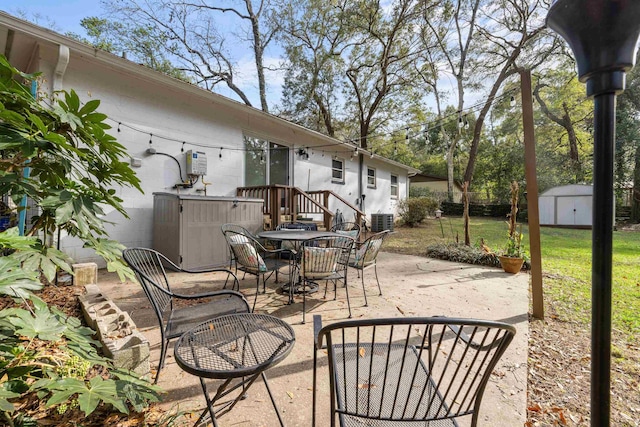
{"x":511,"y":264}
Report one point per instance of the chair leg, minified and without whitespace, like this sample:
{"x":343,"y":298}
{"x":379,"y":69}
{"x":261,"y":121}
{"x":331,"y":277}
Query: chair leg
{"x":255,"y":299}
{"x":375,"y":269}
{"x":304,"y":299}
{"x":163,"y":355}
{"x":364,"y":291}
{"x":347,"y":290}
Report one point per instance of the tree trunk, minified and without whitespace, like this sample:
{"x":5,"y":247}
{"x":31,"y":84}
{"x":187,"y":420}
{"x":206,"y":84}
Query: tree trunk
{"x":450,"y":153}
{"x":258,"y":50}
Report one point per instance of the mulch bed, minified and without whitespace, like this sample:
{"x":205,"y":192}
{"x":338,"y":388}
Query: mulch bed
{"x":66,"y":298}
{"x":558,"y":389}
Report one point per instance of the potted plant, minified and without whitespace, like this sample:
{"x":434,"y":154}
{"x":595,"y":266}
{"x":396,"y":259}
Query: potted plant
{"x":513,"y":255}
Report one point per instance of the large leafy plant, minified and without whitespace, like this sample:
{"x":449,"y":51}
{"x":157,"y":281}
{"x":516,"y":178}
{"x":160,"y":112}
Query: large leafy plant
{"x":73,"y":165}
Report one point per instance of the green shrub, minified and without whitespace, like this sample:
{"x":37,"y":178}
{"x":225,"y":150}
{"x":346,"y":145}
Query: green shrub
{"x":460,"y":253}
{"x":420,"y":192}
{"x":414,"y":210}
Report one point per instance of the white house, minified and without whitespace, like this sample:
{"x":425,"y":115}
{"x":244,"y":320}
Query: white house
{"x":567,"y":206}
{"x":148,"y":109}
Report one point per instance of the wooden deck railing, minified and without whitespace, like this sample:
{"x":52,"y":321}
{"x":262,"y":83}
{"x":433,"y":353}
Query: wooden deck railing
{"x":282,"y":200}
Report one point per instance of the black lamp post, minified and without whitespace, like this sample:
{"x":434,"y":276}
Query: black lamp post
{"x":603,"y":35}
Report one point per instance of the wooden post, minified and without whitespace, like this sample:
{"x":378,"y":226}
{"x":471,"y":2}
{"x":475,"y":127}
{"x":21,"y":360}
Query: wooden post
{"x":532,"y":194}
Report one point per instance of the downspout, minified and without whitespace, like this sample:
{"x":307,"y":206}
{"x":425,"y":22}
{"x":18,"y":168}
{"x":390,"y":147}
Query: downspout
{"x":22,"y":211}
{"x":58,"y":74}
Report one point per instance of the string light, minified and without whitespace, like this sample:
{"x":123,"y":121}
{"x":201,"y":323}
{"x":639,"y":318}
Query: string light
{"x":182,"y":148}
{"x":372,"y":154}
{"x":395,"y":148}
{"x":437,"y":124}
{"x":466,"y":122}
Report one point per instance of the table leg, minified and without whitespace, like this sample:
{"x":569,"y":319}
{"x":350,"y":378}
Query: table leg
{"x":266,"y":384}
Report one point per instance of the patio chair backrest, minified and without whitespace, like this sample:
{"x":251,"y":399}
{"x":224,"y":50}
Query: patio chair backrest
{"x":149,"y":268}
{"x":411,"y":369}
{"x":351,"y":229}
{"x":246,"y":251}
{"x":325,"y":256}
{"x":236,"y":229}
{"x":367,"y":252}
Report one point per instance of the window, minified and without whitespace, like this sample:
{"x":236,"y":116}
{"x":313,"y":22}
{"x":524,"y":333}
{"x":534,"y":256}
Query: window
{"x":371,"y":178}
{"x":394,"y":187}
{"x":265,"y":162}
{"x":337,"y":170}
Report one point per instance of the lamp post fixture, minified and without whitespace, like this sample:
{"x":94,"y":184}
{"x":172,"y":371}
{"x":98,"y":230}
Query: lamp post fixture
{"x":603,"y":35}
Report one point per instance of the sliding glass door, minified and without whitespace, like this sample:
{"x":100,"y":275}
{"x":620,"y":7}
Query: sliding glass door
{"x":266,"y":163}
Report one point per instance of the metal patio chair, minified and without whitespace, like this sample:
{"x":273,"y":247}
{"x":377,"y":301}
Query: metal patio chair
{"x":324,"y":259}
{"x":253,"y":258}
{"x":365,"y":256}
{"x":351,"y":229}
{"x":238,"y":229}
{"x":149,"y":268}
{"x":408,"y":371}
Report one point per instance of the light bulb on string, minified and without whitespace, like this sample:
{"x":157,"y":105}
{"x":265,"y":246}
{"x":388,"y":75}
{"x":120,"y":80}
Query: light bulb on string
{"x":513,"y":101}
{"x":372,"y":154}
{"x":220,"y":155}
{"x":406,"y":136}
{"x":182,"y":148}
{"x":150,"y":138}
{"x":466,"y":123}
{"x":460,"y":124}
{"x":119,"y":126}
{"x":395,"y":148}
{"x":261,"y":156}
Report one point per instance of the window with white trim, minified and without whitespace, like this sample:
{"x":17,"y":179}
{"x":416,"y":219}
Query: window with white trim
{"x":394,"y":186}
{"x":371,"y":178}
{"x":337,"y":170}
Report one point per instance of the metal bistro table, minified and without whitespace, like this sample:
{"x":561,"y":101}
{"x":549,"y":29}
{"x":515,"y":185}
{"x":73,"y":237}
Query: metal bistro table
{"x":240,"y":345}
{"x":296,"y":236}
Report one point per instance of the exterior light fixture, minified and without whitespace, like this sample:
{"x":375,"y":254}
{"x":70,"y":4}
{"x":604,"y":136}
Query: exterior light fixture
{"x":603,"y":35}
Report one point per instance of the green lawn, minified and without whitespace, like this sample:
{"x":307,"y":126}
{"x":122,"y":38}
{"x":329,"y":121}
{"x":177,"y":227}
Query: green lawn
{"x":566,"y":262}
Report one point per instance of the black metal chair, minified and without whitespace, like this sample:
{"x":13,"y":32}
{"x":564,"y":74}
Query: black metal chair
{"x":351,"y":229}
{"x":324,"y":259}
{"x":400,"y":371}
{"x":365,"y":256}
{"x":253,"y":258}
{"x":238,"y":229}
{"x":149,"y":268}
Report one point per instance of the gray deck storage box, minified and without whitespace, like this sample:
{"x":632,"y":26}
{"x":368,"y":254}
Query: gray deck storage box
{"x":381,"y":222}
{"x":186,"y":228}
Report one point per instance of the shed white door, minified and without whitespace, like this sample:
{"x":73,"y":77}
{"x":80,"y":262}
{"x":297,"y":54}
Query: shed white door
{"x":574,"y":210}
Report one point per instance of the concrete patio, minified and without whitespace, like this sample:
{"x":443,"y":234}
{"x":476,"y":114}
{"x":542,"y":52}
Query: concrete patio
{"x":411,"y":286}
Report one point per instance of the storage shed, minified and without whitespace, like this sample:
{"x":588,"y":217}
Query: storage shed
{"x":187,"y":228}
{"x":567,"y":206}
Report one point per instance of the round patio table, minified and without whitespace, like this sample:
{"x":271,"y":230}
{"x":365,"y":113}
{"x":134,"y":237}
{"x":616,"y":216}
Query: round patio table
{"x":297,"y":236}
{"x":242,"y":345}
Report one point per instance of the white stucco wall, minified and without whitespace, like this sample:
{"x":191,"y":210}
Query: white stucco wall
{"x":166,"y":111}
